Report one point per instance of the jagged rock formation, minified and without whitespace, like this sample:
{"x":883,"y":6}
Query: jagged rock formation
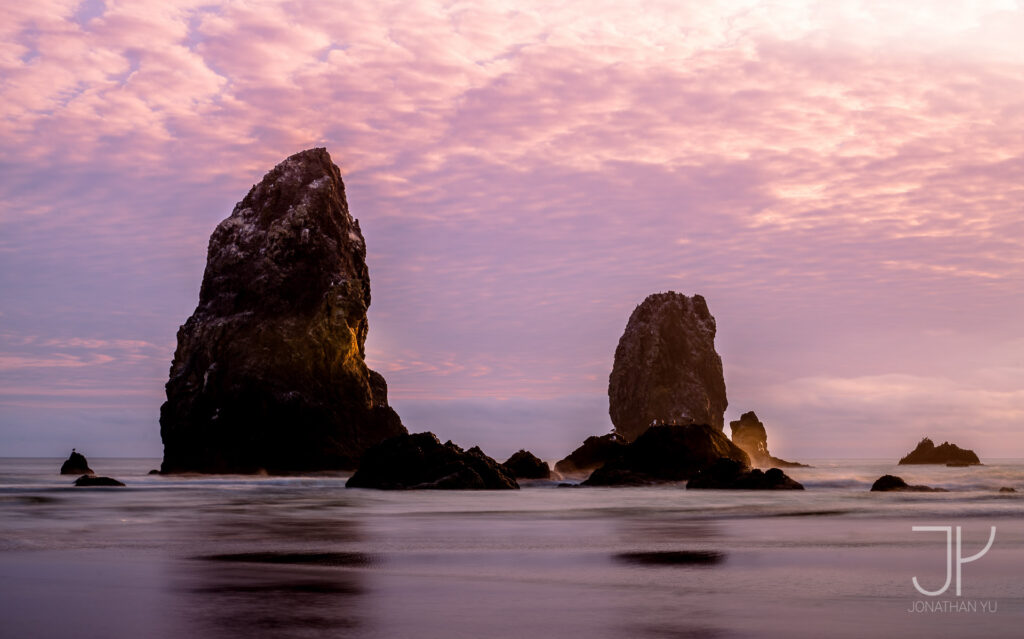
{"x":892,"y":483}
{"x":945,"y":453}
{"x":666,"y":369}
{"x":92,"y":480}
{"x":76,"y":464}
{"x":749,"y":434}
{"x":730,"y":474}
{"x":667,"y":453}
{"x":593,"y":453}
{"x":525,"y":465}
{"x":421,"y":461}
{"x":269,"y":372}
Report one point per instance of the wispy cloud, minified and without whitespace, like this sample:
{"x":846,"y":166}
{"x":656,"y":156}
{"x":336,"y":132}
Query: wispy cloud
{"x":824,"y":173}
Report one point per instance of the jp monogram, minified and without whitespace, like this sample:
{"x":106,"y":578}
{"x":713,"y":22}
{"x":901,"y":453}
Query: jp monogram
{"x":960,"y":559}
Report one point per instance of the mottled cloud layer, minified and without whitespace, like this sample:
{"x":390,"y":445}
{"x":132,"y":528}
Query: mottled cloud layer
{"x":841,"y":180}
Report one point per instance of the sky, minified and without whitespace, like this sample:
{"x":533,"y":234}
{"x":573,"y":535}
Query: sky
{"x":842,"y":181}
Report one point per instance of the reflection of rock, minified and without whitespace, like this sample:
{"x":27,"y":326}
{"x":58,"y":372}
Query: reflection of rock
{"x":892,"y":483}
{"x":421,"y":461}
{"x":749,"y":434}
{"x":526,"y":465}
{"x":728,"y":473}
{"x":945,"y":453}
{"x":667,"y":453}
{"x":593,"y":453}
{"x":92,"y":480}
{"x":269,"y":372}
{"x":76,"y":464}
{"x":666,"y":369}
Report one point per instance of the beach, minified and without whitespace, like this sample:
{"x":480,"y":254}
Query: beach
{"x":233,"y":556}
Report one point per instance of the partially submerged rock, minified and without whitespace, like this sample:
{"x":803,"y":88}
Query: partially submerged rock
{"x":1007,"y":489}
{"x":76,"y":464}
{"x":666,"y":454}
{"x":92,"y":480}
{"x":945,"y":453}
{"x":269,"y":373}
{"x":666,"y":369}
{"x":593,"y":453}
{"x":421,"y":461}
{"x":731,"y":474}
{"x":892,"y":483}
{"x":525,"y":465}
{"x":749,"y":434}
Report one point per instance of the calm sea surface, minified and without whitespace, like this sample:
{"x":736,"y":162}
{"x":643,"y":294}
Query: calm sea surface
{"x":230,"y":556}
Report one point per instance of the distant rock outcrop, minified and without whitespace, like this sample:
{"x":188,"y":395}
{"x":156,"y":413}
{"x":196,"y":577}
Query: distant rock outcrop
{"x":593,"y":453}
{"x":731,"y":474}
{"x":749,"y":434}
{"x":892,"y":483}
{"x":666,"y":369}
{"x":667,"y":453}
{"x":421,"y":461}
{"x":945,"y":453}
{"x":76,"y":464}
{"x":269,"y":372}
{"x":525,"y":465}
{"x":92,"y":480}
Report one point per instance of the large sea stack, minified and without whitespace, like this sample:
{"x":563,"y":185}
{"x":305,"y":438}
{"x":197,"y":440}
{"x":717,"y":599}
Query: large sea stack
{"x":666,"y":369}
{"x":269,"y":372}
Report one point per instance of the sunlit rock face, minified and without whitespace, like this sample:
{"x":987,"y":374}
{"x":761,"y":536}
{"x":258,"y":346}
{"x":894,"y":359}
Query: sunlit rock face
{"x":269,"y":372}
{"x":749,"y":434}
{"x":666,"y":369}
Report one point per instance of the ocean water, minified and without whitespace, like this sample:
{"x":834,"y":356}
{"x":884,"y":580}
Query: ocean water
{"x":231,"y":556}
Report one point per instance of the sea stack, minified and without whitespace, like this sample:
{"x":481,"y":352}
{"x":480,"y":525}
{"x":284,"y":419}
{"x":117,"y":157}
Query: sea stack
{"x":269,"y":372}
{"x":749,"y":434}
{"x":666,"y":368}
{"x":927,"y":452}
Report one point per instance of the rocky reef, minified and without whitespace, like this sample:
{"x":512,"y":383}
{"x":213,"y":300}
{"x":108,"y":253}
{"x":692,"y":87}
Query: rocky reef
{"x":666,"y":454}
{"x":666,"y":369}
{"x":945,"y":453}
{"x":269,"y":372}
{"x":749,"y":434}
{"x":421,"y":461}
{"x":76,"y":464}
{"x":892,"y":483}
{"x":525,"y":465}
{"x":593,"y":453}
{"x":731,"y":474}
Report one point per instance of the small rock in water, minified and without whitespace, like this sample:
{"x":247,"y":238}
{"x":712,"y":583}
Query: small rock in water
{"x":421,"y":461}
{"x":526,"y":465}
{"x":92,"y":480}
{"x":76,"y":464}
{"x":892,"y":483}
{"x":1007,"y":489}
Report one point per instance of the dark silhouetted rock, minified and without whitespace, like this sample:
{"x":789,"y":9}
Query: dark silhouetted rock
{"x":892,"y":483}
{"x":593,"y":453}
{"x":92,"y":480}
{"x":153,"y":472}
{"x":731,"y":474}
{"x":666,"y":369}
{"x":269,"y":372}
{"x":1007,"y":489}
{"x":945,"y":453}
{"x":420,"y":461}
{"x":672,"y":557}
{"x":749,"y":434}
{"x":76,"y":464}
{"x":526,"y":465}
{"x":667,"y":453}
